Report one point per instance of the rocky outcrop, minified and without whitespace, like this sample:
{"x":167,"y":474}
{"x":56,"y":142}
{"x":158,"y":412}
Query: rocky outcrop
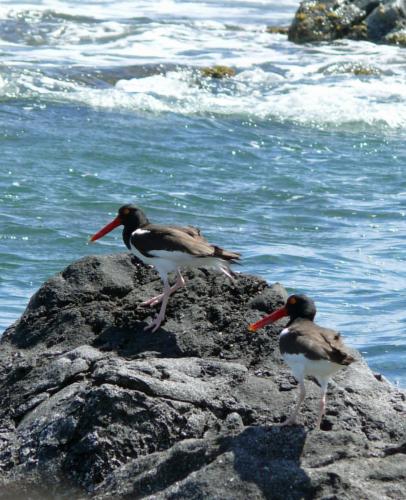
{"x":378,"y":21}
{"x":218,"y":71}
{"x":91,"y":405}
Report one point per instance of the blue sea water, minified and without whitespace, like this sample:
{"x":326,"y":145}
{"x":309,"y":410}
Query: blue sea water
{"x":298,"y":161}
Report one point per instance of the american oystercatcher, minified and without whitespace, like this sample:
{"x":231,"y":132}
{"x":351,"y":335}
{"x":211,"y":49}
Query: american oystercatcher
{"x":168,"y":249}
{"x":308,"y":349}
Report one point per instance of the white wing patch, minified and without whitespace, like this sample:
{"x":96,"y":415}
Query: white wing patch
{"x":140,"y":231}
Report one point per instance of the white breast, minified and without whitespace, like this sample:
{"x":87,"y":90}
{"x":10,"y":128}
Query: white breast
{"x":285,"y":331}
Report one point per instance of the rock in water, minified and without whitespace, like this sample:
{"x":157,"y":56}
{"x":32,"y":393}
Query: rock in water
{"x":218,"y":71}
{"x":90,"y":404}
{"x":327,"y":20}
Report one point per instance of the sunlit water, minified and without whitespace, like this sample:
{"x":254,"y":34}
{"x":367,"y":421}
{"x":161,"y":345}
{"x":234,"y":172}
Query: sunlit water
{"x":298,"y":161}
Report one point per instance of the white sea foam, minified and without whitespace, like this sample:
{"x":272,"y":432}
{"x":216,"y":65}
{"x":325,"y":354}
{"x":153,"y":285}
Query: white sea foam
{"x":226,"y":10}
{"x":253,"y":93}
{"x":322,"y":85}
{"x":261,"y":94}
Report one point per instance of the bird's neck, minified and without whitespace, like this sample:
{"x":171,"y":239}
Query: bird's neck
{"x":139,"y":220}
{"x":298,"y":318}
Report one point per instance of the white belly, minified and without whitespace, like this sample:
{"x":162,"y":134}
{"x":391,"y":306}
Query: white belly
{"x":163,"y":265}
{"x":301,"y":367}
{"x":166,"y":261}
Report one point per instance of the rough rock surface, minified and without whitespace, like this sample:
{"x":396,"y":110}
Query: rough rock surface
{"x":375,"y":20}
{"x":91,"y":405}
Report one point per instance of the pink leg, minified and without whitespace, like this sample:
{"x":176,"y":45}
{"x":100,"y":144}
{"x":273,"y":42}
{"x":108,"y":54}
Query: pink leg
{"x":226,"y":271}
{"x":180,"y":282}
{"x":322,"y":409}
{"x":292,"y":419}
{"x":161,"y":315}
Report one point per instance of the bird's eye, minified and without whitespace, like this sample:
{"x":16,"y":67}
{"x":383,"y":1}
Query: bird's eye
{"x":126,"y":211}
{"x":292,"y":300}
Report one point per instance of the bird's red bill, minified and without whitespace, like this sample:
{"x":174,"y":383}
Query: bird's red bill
{"x":106,"y":229}
{"x":270,"y":318}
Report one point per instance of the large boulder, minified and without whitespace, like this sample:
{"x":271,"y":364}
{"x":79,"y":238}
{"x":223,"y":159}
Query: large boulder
{"x":326,"y":20}
{"x":93,"y":405}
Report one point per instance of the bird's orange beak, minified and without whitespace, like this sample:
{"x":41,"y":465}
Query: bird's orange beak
{"x":270,"y":318}
{"x":106,"y":229}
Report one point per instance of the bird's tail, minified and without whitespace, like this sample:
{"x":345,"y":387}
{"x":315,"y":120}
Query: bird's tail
{"x":339,"y":352}
{"x":347,"y":359}
{"x":342,"y":356}
{"x":226,"y":254}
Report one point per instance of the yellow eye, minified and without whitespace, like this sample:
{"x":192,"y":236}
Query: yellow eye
{"x":292,"y":300}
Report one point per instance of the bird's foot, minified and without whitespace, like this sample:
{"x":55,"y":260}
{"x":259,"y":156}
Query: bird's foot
{"x":322,"y":411}
{"x":318,"y":423}
{"x":153,"y":301}
{"x":289,"y":421}
{"x":156,"y":323}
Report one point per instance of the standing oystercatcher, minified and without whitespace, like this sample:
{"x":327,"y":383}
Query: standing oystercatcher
{"x":167,"y":248}
{"x":308,"y":349}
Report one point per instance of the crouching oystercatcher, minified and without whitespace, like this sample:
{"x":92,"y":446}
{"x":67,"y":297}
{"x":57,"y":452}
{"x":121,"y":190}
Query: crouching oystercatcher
{"x":168,"y":249}
{"x":308,"y":349}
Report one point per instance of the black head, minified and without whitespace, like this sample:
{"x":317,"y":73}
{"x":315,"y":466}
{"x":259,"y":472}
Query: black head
{"x":297,"y":306}
{"x":132,"y":216}
{"x":300,"y":306}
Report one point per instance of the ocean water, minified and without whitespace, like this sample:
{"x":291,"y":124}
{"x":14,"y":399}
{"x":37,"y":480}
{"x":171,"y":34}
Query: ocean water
{"x":298,"y":161}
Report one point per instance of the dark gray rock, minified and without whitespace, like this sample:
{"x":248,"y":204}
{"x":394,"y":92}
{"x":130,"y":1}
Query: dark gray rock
{"x":92,"y":405}
{"x":327,"y":20}
{"x":384,"y":20}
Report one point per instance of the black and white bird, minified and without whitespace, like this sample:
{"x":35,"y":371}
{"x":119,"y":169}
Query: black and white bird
{"x":308,"y":349}
{"x":168,"y":249}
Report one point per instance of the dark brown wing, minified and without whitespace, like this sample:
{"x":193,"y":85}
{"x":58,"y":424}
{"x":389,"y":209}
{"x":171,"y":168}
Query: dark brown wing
{"x":190,"y":230}
{"x":315,"y":342}
{"x":218,"y":251}
{"x":155,"y":237}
